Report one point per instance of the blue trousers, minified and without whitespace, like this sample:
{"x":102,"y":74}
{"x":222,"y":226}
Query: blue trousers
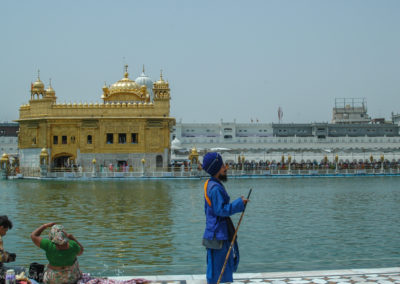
{"x":215,"y":262}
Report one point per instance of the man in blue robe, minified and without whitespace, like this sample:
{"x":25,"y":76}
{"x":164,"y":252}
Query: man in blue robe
{"x":219,"y":229}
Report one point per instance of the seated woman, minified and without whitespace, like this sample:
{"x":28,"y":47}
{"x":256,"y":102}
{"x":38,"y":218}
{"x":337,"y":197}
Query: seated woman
{"x":61,"y":252}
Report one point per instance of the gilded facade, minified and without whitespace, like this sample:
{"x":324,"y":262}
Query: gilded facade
{"x":131,"y":123}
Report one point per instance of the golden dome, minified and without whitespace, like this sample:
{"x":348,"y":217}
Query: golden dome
{"x":4,"y":157}
{"x":50,"y":91}
{"x":124,"y":85}
{"x":161,"y":82}
{"x":38,"y":85}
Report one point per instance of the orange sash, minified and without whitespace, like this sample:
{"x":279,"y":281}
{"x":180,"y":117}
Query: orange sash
{"x":205,"y":193}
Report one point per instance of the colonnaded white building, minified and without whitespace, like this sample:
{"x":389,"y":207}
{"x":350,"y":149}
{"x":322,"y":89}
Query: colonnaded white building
{"x":262,"y":141}
{"x":352,"y":134}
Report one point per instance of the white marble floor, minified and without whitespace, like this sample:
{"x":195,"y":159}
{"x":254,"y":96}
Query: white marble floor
{"x":348,"y":276}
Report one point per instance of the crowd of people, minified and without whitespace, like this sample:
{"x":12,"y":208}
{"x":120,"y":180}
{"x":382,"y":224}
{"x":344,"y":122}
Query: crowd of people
{"x":251,"y":166}
{"x":307,"y":165}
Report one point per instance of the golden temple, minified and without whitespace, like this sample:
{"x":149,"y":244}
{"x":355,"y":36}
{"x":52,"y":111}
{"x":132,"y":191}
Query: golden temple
{"x":131,"y":124}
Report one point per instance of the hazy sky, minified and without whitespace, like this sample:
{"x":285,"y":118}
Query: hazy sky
{"x":223,"y":59}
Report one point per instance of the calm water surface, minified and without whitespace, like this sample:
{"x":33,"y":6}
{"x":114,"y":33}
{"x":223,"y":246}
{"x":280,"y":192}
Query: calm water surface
{"x":144,"y":227}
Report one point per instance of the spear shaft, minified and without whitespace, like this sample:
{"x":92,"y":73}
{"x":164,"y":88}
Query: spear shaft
{"x":233,"y":239}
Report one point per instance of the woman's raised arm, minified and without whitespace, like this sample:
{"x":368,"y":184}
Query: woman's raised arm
{"x":35,"y":235}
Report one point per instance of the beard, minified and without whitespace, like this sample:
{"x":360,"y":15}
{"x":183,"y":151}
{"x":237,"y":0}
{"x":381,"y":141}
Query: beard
{"x":223,"y":177}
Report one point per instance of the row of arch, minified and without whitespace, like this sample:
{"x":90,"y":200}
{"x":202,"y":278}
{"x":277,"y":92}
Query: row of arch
{"x":63,"y":159}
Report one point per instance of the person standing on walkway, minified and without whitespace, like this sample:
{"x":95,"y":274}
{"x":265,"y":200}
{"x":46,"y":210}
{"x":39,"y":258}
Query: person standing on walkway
{"x":219,"y":229}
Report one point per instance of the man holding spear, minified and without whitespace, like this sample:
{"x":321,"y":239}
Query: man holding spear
{"x":219,"y":231}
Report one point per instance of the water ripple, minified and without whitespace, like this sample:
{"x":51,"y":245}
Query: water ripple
{"x":155,"y":227}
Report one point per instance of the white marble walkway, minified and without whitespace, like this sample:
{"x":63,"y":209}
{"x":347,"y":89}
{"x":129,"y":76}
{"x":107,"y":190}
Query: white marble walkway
{"x":348,"y":276}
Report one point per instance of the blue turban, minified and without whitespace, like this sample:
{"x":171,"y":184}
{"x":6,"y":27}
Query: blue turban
{"x":212,"y":163}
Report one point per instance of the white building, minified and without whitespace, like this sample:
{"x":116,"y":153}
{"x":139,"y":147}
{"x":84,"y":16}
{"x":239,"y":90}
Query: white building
{"x":9,"y":138}
{"x":350,"y":110}
{"x":224,"y":134}
{"x":267,"y":141}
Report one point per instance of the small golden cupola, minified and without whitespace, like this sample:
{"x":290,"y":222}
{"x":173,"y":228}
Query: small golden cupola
{"x":194,"y":156}
{"x":50,"y":92}
{"x":161,"y":83}
{"x":106,"y":91}
{"x":37,"y":88}
{"x":124,"y":90}
{"x":161,"y":89}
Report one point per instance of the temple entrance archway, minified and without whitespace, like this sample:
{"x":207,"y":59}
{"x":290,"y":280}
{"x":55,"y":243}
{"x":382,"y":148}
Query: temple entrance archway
{"x":159,"y":161}
{"x":63,"y":160}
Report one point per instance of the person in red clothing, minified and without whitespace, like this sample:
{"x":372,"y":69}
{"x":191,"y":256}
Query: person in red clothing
{"x":61,"y":250}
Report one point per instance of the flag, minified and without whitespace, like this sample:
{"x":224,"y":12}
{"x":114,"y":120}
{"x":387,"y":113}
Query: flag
{"x":280,"y":114}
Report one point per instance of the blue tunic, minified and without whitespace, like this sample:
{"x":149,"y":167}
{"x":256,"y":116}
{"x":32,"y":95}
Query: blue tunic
{"x":217,"y":227}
